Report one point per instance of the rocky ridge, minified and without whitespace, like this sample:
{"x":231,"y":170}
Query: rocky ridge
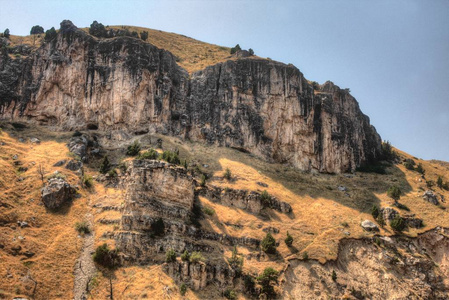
{"x":77,"y":81}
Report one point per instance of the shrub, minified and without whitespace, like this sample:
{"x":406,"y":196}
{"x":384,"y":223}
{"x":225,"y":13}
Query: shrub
{"x":380,"y":220}
{"x":56,"y":175}
{"x":133,"y":149}
{"x":105,"y":256}
{"x":236,"y":261}
{"x":185,"y":164}
{"x":387,"y":151}
{"x":150,"y":154}
{"x":171,"y":157}
{"x":429,"y":184}
{"x":409,"y":164}
{"x":288,"y":240}
{"x":158,"y":227}
{"x":398,"y":223}
{"x":230,"y":294}
{"x":134,"y":34}
{"x":196,"y":257}
{"x":268,"y":244}
{"x":183,"y":289}
{"x":112,"y":173}
{"x":265,"y":198}
{"x":227,"y":175}
{"x":372,"y":168}
{"x":440,"y":182}
{"x":185,"y":256}
{"x":37,"y":29}
{"x":235,"y":49}
{"x":334,"y":275}
{"x":170,"y":256}
{"x":50,"y":34}
{"x":208,"y":211}
{"x":144,"y":35}
{"x":374,"y":211}
{"x":249,"y":283}
{"x":420,"y":169}
{"x":6,"y":33}
{"x":267,"y":280}
{"x":82,"y":227}
{"x":251,"y":51}
{"x":97,"y":29}
{"x":394,"y":192}
{"x":105,"y":165}
{"x":88,"y":181}
{"x":305,"y":255}
{"x":203,"y":180}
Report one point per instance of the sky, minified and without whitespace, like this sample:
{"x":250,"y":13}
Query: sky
{"x":393,"y":55}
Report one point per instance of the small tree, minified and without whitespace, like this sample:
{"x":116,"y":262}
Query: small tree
{"x":265,"y":197}
{"x":50,"y":34}
{"x":394,"y":192}
{"x":37,"y":29}
{"x":305,"y":255}
{"x":6,"y":33}
{"x":374,"y":211}
{"x":183,"y":289}
{"x":105,"y":256}
{"x":144,"y":35}
{"x":440,"y":182}
{"x":170,"y":256}
{"x":236,"y":261}
{"x":267,"y":280}
{"x":235,"y":49}
{"x":380,"y":220}
{"x":387,"y":151}
{"x":185,"y":256}
{"x":288,"y":240}
{"x":268,"y":244}
{"x":251,"y":51}
{"x":398,"y":223}
{"x":334,"y":275}
{"x":105,"y":165}
{"x":41,"y":171}
{"x":203,"y":180}
{"x":133,"y":149}
{"x":150,"y":154}
{"x":196,"y":257}
{"x":227,"y":175}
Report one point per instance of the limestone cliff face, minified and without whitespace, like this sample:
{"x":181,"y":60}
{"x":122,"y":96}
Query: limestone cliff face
{"x":77,"y":81}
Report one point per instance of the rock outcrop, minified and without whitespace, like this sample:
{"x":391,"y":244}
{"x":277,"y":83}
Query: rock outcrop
{"x":77,"y":81}
{"x":56,"y":193}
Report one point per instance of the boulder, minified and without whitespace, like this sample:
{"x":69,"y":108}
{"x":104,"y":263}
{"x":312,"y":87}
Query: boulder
{"x":74,"y":165}
{"x":78,"y":146}
{"x":59,"y":163}
{"x":35,"y":141}
{"x":369,"y":226}
{"x":430,"y":196}
{"x":56,"y":193}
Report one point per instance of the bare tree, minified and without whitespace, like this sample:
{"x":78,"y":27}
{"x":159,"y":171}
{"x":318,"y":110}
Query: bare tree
{"x":41,"y":171}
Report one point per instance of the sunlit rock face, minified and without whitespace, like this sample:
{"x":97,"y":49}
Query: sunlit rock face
{"x":77,"y":81}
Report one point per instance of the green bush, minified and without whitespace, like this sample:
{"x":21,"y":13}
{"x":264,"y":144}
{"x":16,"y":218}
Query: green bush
{"x":185,"y":256}
{"x":409,"y":164}
{"x":398,"y":223}
{"x":112,"y":173}
{"x":251,"y":51}
{"x":227,"y":175}
{"x":105,"y":257}
{"x":374,"y":211}
{"x":196,"y":257}
{"x":230,"y":294}
{"x":267,"y":280}
{"x":170,"y":256}
{"x":440,"y":182}
{"x":288,"y":240}
{"x":144,"y":35}
{"x":56,"y":175}
{"x":82,"y":227}
{"x":430,"y":184}
{"x":171,"y":157}
{"x":37,"y":29}
{"x":394,"y":192}
{"x":6,"y":33}
{"x":388,"y":152}
{"x":203,"y":180}
{"x":268,"y":244}
{"x":183,"y":289}
{"x":133,"y":149}
{"x":305,"y":255}
{"x":50,"y":34}
{"x":235,"y":49}
{"x":105,"y":165}
{"x":208,"y":211}
{"x":380,"y":220}
{"x":150,"y":154}
{"x":265,"y":198}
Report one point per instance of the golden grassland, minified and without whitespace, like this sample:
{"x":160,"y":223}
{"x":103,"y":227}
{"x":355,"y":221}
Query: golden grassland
{"x":322,"y":214}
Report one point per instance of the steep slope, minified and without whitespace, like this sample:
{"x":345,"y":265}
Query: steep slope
{"x":77,"y":81}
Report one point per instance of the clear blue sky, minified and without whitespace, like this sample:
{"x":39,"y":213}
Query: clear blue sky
{"x":393,"y":55}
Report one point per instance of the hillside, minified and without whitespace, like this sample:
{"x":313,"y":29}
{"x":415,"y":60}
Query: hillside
{"x":151,"y":169}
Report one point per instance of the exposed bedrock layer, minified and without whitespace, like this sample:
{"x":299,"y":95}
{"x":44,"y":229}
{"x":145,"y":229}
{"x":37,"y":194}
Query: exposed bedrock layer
{"x":77,"y":81}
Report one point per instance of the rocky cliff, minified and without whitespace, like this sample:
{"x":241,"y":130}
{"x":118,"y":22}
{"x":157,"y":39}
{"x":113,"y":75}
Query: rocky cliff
{"x":77,"y":81}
